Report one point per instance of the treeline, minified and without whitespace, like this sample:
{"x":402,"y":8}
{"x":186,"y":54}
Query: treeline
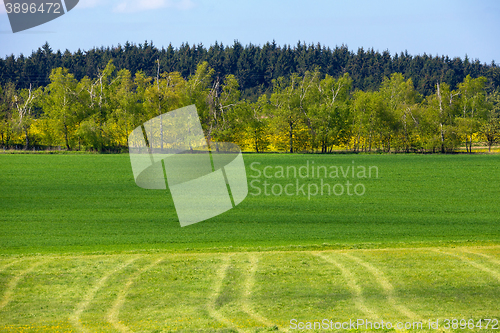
{"x":254,"y":67}
{"x":309,"y":112}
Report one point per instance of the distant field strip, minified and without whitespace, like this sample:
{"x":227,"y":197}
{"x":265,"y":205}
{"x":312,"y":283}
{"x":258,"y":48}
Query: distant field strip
{"x":245,"y":291}
{"x":89,"y":203}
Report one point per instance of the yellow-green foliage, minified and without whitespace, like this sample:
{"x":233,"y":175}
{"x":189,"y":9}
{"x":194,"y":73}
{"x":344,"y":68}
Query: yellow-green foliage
{"x":319,"y":113}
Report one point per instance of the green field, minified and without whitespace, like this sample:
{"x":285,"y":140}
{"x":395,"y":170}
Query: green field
{"x":82,"y":203}
{"x":83,"y":249}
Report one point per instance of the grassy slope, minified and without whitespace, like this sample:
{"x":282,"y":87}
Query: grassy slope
{"x":74,"y":203}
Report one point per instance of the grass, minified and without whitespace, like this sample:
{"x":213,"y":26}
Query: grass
{"x":83,"y":249}
{"x":89,"y":203}
{"x":247,"y":292}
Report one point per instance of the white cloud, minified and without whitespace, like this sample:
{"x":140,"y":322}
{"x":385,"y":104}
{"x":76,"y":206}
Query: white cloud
{"x":129,"y":6}
{"x":185,"y":4}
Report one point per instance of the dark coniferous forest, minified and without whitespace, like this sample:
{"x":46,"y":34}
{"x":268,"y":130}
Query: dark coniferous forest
{"x":253,"y":66}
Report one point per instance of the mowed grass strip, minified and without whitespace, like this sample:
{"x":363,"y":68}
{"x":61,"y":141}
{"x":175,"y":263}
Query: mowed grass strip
{"x":90,"y":203}
{"x":210,"y":291}
{"x":434,"y":284}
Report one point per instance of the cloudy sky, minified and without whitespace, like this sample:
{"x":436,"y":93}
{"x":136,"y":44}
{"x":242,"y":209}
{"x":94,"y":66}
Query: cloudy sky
{"x":444,"y":27}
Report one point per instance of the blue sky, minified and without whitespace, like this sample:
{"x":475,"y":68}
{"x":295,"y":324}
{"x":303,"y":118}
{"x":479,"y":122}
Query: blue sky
{"x":449,"y":27}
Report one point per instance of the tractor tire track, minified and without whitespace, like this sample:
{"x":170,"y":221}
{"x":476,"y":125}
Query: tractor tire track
{"x":386,"y":286}
{"x":212,"y":310}
{"x":488,"y":257}
{"x":90,"y":295}
{"x":248,"y":286}
{"x":114,"y":311}
{"x":350,"y":279}
{"x":483,"y":268}
{"x":12,"y":284}
{"x":10,"y":264}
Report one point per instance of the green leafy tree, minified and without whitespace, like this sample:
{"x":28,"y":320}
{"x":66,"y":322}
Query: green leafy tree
{"x":289,"y":102}
{"x":400,"y":117}
{"x":490,"y":127}
{"x":472,"y":106}
{"x":252,"y":124}
{"x":223,"y":100}
{"x":141,"y":83}
{"x":25,"y":100}
{"x":62,"y":106}
{"x":125,"y":107}
{"x":329,"y":114}
{"x":197,"y":90}
{"x":367,"y":112}
{"x":166,"y":93}
{"x":96,"y":96}
{"x":440,"y":109}
{"x":7,"y":107}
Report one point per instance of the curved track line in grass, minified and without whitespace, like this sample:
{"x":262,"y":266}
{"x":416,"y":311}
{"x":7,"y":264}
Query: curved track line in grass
{"x":89,"y":296}
{"x":488,"y":257}
{"x":350,"y":278}
{"x":386,"y":286}
{"x":10,"y":264}
{"x":220,"y":276}
{"x":483,"y":268}
{"x":12,"y":284}
{"x":114,"y":311}
{"x":248,"y":285}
